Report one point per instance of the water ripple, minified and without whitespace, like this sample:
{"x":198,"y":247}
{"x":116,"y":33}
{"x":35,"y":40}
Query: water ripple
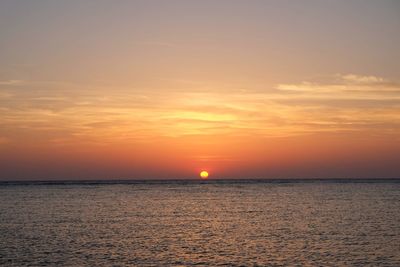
{"x":200,"y":224}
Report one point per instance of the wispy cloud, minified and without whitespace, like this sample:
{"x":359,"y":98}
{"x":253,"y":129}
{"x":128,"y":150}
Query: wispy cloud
{"x":11,"y":82}
{"x":350,"y":103}
{"x":343,"y":87}
{"x":362,"y":79}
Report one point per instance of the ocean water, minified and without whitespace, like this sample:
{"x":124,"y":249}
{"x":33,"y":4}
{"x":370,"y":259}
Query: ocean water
{"x":211,"y":223}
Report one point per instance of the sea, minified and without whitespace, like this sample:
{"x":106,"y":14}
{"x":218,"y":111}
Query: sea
{"x":335,"y":222}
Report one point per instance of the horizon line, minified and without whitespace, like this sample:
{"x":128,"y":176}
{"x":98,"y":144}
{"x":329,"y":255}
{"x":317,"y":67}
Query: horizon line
{"x":154,"y":181}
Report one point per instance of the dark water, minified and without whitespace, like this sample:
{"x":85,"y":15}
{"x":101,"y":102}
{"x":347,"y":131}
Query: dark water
{"x":335,"y":223}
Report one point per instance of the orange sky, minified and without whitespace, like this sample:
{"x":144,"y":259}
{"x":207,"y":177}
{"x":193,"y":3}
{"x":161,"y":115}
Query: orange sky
{"x":264,"y":89}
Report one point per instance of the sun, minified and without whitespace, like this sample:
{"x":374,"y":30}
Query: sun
{"x":204,"y":174}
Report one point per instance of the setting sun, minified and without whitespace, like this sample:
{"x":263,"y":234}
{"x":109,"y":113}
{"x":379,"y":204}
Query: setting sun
{"x":204,"y":175}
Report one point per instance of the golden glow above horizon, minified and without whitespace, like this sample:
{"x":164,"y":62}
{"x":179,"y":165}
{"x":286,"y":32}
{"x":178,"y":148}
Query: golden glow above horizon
{"x":129,"y":115}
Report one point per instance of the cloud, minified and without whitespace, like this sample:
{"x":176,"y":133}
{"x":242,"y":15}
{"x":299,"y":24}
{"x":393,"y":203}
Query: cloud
{"x":345,"y":87}
{"x":11,"y":82}
{"x":362,"y":79}
{"x":62,"y":111}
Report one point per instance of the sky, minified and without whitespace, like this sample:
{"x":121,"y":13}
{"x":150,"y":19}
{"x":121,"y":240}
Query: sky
{"x":148,"y":89}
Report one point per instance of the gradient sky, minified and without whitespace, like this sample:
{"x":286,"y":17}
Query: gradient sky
{"x":163,"y":89}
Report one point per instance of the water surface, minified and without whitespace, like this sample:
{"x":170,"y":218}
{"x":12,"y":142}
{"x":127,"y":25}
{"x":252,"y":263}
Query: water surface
{"x":253,"y":223}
